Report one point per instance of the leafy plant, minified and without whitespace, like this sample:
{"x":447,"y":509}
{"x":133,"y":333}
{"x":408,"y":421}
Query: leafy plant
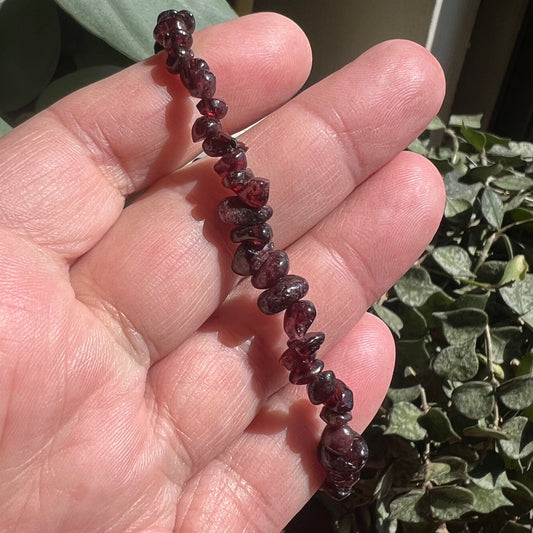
{"x":48,"y":48}
{"x":452,"y":445}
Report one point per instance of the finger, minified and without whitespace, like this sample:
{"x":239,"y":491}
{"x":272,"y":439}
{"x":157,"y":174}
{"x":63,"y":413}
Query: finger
{"x":271,"y":470}
{"x":234,"y":357}
{"x":168,"y":245}
{"x":65,"y":172}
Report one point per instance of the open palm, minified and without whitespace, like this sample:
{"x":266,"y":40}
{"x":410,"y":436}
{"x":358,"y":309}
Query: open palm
{"x":140,"y":388}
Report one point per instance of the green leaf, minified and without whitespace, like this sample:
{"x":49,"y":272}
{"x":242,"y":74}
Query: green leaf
{"x":414,"y":323}
{"x":4,"y":127}
{"x":403,"y":421}
{"x":436,"y":124}
{"x":491,"y":474}
{"x":127,"y":25}
{"x":484,"y":432}
{"x":506,"y":343}
{"x":519,"y":295}
{"x":484,"y":172}
{"x":515,"y":270}
{"x":404,"y":507}
{"x":520,"y":432}
{"x":72,"y":82}
{"x":471,"y":121}
{"x":521,"y":496}
{"x":476,"y":138}
{"x":407,"y":394}
{"x":469,"y":299}
{"x":474,"y":399}
{"x":454,"y":260}
{"x":449,"y":502}
{"x":456,"y":188}
{"x":463,"y":325}
{"x":29,"y":50}
{"x":513,"y":182}
{"x":458,"y":362}
{"x":458,"y":469}
{"x":517,"y":393}
{"x":492,"y":208}
{"x":415,"y":287}
{"x":419,"y":147}
{"x":487,"y":501}
{"x":389,"y":317}
{"x":412,"y":353}
{"x":438,"y":425}
{"x":458,"y":211}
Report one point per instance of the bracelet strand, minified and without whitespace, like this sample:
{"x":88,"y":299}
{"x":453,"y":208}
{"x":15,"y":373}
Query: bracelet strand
{"x":341,"y":450}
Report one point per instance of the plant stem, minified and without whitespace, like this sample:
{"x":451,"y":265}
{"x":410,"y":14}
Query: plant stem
{"x":493,"y":381}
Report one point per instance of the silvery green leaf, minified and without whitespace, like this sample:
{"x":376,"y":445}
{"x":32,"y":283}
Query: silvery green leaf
{"x":403,"y":421}
{"x":519,"y":295}
{"x":492,"y":208}
{"x":474,"y":399}
{"x":454,"y":260}
{"x":127,"y":25}
{"x":415,"y":287}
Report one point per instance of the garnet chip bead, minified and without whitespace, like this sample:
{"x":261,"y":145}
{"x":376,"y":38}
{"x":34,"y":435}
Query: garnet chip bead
{"x":287,"y":290}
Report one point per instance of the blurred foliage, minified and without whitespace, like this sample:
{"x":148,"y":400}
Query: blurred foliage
{"x":49,"y":49}
{"x":452,"y":445}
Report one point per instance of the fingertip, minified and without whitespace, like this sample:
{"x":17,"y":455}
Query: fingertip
{"x":364,"y":359}
{"x":277,"y":52}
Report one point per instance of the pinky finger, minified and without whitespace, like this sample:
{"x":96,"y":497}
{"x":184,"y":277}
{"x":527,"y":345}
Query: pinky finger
{"x":264,"y":478}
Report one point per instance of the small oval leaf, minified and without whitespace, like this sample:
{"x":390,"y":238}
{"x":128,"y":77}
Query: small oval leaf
{"x":517,"y":393}
{"x":474,"y":399}
{"x":492,"y":208}
{"x":403,"y":421}
{"x":454,"y":260}
{"x":457,"y":362}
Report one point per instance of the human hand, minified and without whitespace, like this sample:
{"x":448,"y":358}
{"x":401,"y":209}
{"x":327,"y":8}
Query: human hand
{"x":140,"y":388}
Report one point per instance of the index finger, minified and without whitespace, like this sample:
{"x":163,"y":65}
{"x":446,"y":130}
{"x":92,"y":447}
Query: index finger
{"x":65,"y":172}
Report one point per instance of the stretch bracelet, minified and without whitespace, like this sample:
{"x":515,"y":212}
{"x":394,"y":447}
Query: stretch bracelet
{"x":341,"y":450}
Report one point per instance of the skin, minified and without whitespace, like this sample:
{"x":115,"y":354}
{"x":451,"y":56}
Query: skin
{"x":140,"y":388}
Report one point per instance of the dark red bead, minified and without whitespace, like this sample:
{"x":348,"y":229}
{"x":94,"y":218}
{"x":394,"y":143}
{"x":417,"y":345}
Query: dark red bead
{"x":176,"y":59}
{"x":221,"y":144}
{"x":233,"y":211}
{"x":346,"y":464}
{"x":298,"y":317}
{"x":308,"y":344}
{"x":255,"y":192}
{"x":286,"y":291}
{"x":306,"y":373}
{"x":188,"y":19}
{"x":338,"y":439}
{"x":212,"y":107}
{"x":158,"y":47}
{"x":165,"y":26}
{"x":342,"y":399}
{"x":237,"y":180}
{"x":248,"y":259}
{"x":332,"y":418}
{"x":258,"y":234}
{"x":275,"y":267}
{"x":189,"y":73}
{"x":203,"y":127}
{"x":322,"y":388}
{"x":177,"y":38}
{"x":334,"y":491}
{"x":233,"y":162}
{"x":204,"y":84}
{"x":291,"y":359}
{"x":169,"y":13}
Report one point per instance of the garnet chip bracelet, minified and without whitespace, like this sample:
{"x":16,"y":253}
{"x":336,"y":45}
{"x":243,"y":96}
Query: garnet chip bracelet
{"x":341,"y":450}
